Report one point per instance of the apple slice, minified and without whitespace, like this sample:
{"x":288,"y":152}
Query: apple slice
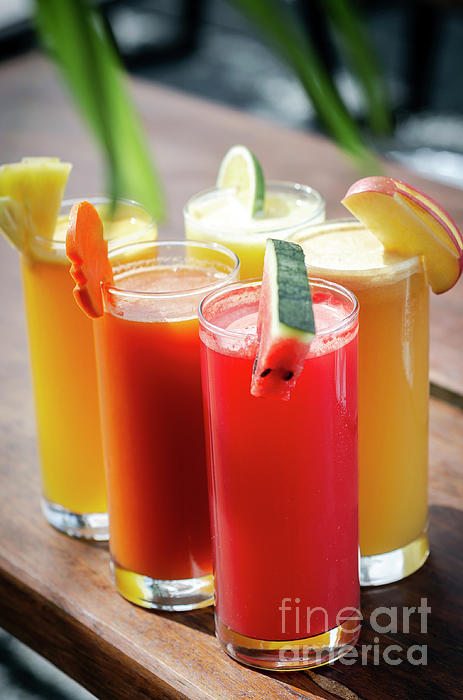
{"x":408,"y":222}
{"x":88,"y":252}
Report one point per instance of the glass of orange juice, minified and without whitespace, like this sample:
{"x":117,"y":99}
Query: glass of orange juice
{"x":148,"y":357}
{"x":393,"y":392}
{"x":64,"y":374}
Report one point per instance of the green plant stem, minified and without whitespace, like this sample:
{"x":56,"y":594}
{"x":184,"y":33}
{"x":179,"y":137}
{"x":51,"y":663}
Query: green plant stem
{"x":275,"y":23}
{"x":360,"y":55}
{"x":75,"y":36}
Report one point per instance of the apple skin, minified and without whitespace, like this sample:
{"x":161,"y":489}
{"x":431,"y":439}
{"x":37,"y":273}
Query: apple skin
{"x":412,"y":224}
{"x":375,"y":183}
{"x":389,"y":186}
{"x":432,"y":207}
{"x":449,"y":232}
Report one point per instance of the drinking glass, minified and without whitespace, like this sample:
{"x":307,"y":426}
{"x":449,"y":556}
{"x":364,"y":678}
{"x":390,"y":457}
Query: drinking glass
{"x":215,"y":215}
{"x":283,"y":485}
{"x":147,"y":348}
{"x":393,"y":293}
{"x":64,"y":376}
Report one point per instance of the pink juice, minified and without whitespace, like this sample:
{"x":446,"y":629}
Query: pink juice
{"x":283,"y":474}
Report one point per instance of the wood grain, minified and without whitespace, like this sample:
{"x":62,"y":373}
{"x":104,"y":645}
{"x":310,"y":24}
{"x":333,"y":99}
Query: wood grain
{"x":56,"y":594}
{"x":58,"y":597}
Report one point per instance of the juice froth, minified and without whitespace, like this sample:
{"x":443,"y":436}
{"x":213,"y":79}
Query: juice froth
{"x":238,"y":319}
{"x":217,"y":215}
{"x":224,"y":211}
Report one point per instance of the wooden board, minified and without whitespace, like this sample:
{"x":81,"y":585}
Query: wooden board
{"x":57,"y":594}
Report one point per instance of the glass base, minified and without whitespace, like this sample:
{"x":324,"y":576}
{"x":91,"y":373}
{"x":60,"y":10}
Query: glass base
{"x":291,"y":654}
{"x":175,"y":595}
{"x":396,"y":565}
{"x":87,"y":526}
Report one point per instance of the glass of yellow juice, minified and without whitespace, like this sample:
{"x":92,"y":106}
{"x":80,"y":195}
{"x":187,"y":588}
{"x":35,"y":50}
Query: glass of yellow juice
{"x":393,"y":392}
{"x":217,"y":215}
{"x":64,"y":375}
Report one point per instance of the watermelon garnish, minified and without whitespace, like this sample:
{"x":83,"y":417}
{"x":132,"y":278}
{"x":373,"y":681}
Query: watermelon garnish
{"x":88,"y":252}
{"x":285,"y":322}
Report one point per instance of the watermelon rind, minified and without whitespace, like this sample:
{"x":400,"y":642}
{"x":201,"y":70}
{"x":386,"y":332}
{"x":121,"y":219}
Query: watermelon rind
{"x":290,"y":293}
{"x":285,"y":323}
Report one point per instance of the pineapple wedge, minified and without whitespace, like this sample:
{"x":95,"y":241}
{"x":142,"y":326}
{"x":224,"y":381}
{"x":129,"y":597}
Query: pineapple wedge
{"x":31,"y":192}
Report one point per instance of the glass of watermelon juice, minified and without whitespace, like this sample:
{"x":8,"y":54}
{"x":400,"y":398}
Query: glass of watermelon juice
{"x":283,"y":485}
{"x":64,"y":373}
{"x":147,"y":347}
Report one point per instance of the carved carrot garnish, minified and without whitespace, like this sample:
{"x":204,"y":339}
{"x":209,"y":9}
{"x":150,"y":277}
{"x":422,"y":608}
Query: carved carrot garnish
{"x":88,"y":252}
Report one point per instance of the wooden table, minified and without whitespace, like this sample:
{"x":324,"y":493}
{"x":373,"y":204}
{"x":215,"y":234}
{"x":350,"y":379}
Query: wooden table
{"x":56,"y":594}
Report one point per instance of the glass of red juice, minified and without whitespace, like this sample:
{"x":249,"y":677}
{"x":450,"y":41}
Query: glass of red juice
{"x":148,"y":360}
{"x":283,"y":485}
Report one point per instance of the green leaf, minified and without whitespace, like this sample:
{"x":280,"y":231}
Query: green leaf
{"x":356,"y":45}
{"x":75,"y":35}
{"x":295,"y":47}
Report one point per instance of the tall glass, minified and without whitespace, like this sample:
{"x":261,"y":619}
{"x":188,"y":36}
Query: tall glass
{"x":147,"y":347}
{"x":64,"y":375}
{"x":393,"y":392}
{"x":283,"y":485}
{"x":215,"y":215}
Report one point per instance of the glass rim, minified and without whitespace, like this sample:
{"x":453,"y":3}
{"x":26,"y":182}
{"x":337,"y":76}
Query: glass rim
{"x":347,"y":223}
{"x":185,"y":293}
{"x":347,"y":321}
{"x":96,"y":199}
{"x":269,"y":184}
{"x":102,"y":198}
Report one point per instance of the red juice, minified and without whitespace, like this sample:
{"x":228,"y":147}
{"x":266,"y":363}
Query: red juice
{"x":283,"y":474}
{"x":151,"y":403}
{"x":148,"y":357}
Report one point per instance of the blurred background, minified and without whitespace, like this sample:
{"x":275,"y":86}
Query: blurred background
{"x":209,"y":48}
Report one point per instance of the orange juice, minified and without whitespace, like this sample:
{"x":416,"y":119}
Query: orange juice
{"x":65,"y":380}
{"x":393,"y":392}
{"x":65,"y":389}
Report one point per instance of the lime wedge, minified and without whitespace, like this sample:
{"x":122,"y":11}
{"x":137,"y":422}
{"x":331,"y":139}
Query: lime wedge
{"x":241,"y":171}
